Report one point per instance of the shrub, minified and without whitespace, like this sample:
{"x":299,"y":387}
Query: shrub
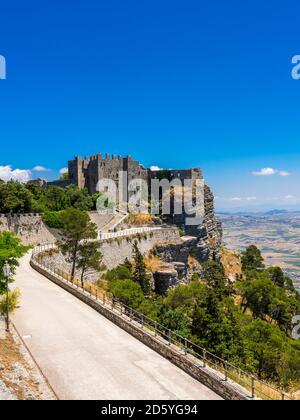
{"x":53,"y":219}
{"x":13,"y":301}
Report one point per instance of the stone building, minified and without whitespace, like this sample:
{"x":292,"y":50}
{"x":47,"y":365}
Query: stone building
{"x":87,"y":172}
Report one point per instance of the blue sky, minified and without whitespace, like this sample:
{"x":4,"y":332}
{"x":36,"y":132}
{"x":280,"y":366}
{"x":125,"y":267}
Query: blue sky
{"x":173,"y":83}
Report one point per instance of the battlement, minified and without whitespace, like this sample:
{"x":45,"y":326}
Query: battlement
{"x":87,"y":172}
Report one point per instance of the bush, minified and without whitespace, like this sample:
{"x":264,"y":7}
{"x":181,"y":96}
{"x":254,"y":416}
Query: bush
{"x":53,"y":219}
{"x":13,"y":301}
{"x":121,"y":272}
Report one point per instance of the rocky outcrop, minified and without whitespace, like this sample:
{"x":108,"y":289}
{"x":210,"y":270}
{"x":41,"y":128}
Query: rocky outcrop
{"x":210,"y":232}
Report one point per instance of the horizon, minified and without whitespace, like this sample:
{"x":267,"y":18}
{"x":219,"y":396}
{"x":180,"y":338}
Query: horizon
{"x":174,"y":86}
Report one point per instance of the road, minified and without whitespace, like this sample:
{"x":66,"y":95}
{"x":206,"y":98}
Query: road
{"x":85,"y":356}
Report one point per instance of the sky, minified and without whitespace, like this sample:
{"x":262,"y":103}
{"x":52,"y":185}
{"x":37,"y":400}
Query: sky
{"x":175,"y":84}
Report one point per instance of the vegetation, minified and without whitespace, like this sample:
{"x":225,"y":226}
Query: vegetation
{"x":11,"y":250}
{"x":53,"y":219}
{"x":77,"y":228}
{"x":13,"y":301}
{"x":140,"y":275}
{"x":31,"y":198}
{"x":248,"y":323}
{"x":89,"y":258}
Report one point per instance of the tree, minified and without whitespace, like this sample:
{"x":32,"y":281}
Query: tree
{"x":64,"y":177}
{"x":122,"y":272}
{"x":11,"y":249}
{"x":258,"y":294}
{"x":213,"y":273}
{"x":252,"y":259}
{"x":277,"y":276}
{"x":56,"y":199}
{"x":77,"y":227}
{"x":15,"y":198}
{"x":140,"y":272}
{"x":89,"y":258}
{"x":216,"y":329}
{"x":267,"y":343}
{"x":79,"y":198}
{"x":128,"y":292}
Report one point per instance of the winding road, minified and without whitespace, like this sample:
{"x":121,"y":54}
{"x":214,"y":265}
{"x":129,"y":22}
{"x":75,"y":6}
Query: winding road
{"x":85,"y":356}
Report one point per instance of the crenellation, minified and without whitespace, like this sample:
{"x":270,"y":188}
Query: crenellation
{"x":88,"y":172}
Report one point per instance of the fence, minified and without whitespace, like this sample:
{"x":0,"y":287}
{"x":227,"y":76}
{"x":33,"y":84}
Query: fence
{"x":254,"y":387}
{"x":126,"y":232}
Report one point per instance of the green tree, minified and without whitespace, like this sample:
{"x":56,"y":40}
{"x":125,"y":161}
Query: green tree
{"x":140,"y":270}
{"x":56,"y":199}
{"x":252,"y":259}
{"x":53,"y":219}
{"x":77,"y":227}
{"x":122,"y":272}
{"x":11,"y":250}
{"x":267,"y":343}
{"x":258,"y":294}
{"x":214,"y":275}
{"x":15,"y":198}
{"x":216,"y":329}
{"x":128,"y":292}
{"x":277,"y":276}
{"x":64,"y":177}
{"x":89,"y":258}
{"x":79,"y":198}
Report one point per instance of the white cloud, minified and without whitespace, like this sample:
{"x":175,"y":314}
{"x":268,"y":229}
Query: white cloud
{"x":63,"y":171}
{"x":251,"y":198}
{"x":235,"y":199}
{"x":40,"y":168}
{"x":289,"y":197}
{"x":283,"y":173}
{"x":270,"y":172}
{"x":155,"y":168}
{"x":21,"y":175}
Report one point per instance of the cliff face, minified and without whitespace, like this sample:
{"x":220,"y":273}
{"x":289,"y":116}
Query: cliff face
{"x":209,"y":234}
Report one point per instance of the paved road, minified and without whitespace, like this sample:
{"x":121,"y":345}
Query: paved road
{"x":85,"y":356}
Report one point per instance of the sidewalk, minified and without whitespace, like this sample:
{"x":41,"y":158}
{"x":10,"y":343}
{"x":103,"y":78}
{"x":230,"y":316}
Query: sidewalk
{"x":20,"y":378}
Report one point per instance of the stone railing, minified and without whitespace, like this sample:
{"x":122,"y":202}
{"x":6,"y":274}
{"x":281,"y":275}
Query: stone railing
{"x":127,"y":232}
{"x":219,"y":375}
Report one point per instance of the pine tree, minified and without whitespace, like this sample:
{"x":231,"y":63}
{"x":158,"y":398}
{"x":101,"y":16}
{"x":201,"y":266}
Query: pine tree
{"x":140,"y":270}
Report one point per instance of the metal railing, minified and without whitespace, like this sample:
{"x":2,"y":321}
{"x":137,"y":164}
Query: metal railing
{"x":254,"y":387}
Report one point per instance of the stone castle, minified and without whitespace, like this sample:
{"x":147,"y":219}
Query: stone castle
{"x":87,"y":172}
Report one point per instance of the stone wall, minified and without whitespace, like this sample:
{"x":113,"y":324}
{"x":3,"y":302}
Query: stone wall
{"x":116,"y":251}
{"x":208,"y":377}
{"x":29,"y":228}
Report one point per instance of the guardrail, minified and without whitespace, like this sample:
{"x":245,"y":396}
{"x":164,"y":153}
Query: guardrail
{"x":126,"y":232}
{"x":254,"y":387}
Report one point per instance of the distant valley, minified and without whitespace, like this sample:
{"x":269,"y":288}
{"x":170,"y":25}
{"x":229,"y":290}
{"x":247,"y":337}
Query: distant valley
{"x":276,"y":233}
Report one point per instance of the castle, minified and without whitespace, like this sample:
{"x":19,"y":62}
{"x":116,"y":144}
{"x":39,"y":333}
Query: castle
{"x":87,"y":172}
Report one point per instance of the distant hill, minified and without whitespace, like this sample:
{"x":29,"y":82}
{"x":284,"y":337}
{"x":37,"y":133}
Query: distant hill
{"x":270,"y":213}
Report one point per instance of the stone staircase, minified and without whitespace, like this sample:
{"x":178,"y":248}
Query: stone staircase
{"x":116,"y":220}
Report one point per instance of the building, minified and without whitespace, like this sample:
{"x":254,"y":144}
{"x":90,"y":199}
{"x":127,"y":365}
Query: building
{"x":87,"y":172}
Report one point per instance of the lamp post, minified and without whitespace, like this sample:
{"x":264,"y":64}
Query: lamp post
{"x":7,"y":273}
